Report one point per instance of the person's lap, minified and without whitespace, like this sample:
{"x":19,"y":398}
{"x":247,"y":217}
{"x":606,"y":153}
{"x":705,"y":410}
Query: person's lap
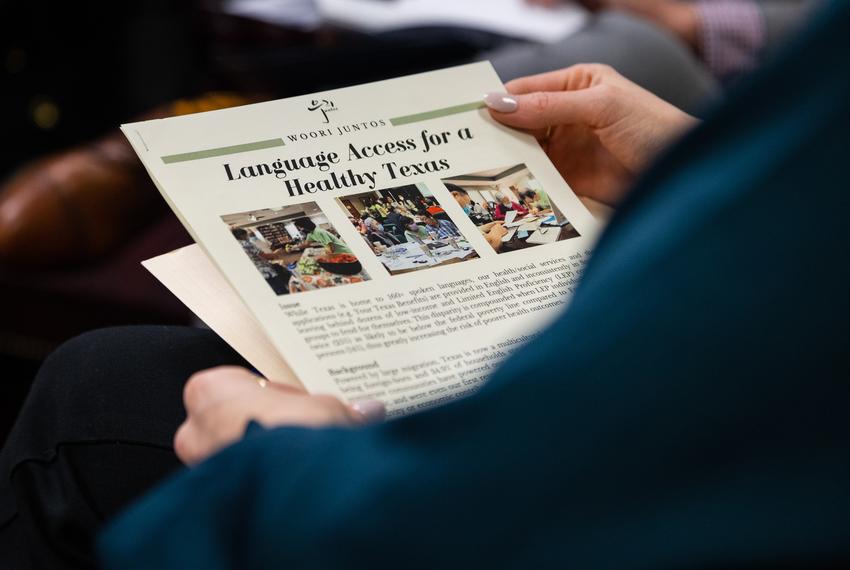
{"x":95,"y":433}
{"x":641,"y":51}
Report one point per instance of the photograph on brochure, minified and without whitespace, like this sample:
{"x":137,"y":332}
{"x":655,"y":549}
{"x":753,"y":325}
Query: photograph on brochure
{"x":510,"y":208}
{"x":295,"y":248}
{"x":407,"y":229}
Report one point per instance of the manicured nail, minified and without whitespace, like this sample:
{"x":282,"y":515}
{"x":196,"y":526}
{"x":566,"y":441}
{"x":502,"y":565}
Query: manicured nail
{"x":371,"y":410}
{"x":501,"y":102}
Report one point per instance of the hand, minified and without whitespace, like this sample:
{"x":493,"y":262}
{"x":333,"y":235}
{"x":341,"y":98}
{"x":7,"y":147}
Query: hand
{"x":493,"y":233}
{"x":221,"y":401}
{"x":598,"y":128}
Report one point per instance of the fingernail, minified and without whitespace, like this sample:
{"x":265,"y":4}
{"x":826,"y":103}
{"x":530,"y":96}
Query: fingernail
{"x":501,"y":102}
{"x":371,"y":410}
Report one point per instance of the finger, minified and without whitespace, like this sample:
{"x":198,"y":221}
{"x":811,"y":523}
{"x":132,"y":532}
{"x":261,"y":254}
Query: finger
{"x":187,"y":443}
{"x":368,"y":411}
{"x":549,"y":81}
{"x":287,"y":388}
{"x":208,"y":386}
{"x":573,"y":78}
{"x":544,"y":109}
{"x":324,"y":410}
{"x":539,"y":134}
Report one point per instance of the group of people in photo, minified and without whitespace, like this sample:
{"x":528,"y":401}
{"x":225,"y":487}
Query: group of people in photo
{"x":293,"y":251}
{"x":510,"y":208}
{"x":389,"y":220}
{"x":495,"y":209}
{"x":406,"y":228}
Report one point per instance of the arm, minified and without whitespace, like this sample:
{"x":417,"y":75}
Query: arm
{"x":731,"y":36}
{"x":493,"y":233}
{"x":688,"y":449}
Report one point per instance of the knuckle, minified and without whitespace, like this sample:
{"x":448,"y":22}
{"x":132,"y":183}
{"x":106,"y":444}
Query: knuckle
{"x":540,"y":101}
{"x":191,"y":389}
{"x":196,"y":385}
{"x":583,"y":68}
{"x":182,"y":443}
{"x":605,"y":93}
{"x":200,"y":383}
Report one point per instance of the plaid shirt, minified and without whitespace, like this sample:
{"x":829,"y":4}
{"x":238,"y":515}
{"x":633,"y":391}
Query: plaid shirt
{"x":732,"y":35}
{"x":446,"y":229}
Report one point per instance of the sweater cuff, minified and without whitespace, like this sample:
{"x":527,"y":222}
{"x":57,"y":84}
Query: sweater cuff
{"x":732,"y":34}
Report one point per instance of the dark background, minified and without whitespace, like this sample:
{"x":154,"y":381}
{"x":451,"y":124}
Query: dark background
{"x":74,"y":71}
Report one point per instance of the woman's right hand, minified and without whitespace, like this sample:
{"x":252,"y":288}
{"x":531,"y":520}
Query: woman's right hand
{"x":598,"y":128}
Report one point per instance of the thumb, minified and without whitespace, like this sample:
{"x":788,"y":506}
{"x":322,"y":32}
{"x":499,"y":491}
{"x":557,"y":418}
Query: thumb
{"x":543,"y":109}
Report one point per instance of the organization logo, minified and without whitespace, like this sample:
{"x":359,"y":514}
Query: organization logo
{"x":324,"y":106}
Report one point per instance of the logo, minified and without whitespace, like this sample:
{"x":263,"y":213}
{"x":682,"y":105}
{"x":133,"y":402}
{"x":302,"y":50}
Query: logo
{"x":322,"y":105}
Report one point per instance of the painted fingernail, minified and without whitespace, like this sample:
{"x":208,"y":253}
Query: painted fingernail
{"x":371,"y":410}
{"x":501,"y":102}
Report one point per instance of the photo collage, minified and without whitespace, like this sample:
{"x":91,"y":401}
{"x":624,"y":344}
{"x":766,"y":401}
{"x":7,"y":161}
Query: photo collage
{"x":297,"y":249}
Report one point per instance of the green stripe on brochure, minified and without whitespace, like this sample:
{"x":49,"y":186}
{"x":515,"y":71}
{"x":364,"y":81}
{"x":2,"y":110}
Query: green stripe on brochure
{"x":222,"y":151}
{"x":437,"y":113}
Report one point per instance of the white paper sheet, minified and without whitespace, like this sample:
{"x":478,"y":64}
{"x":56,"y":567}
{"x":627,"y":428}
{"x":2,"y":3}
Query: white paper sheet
{"x":191,"y":276}
{"x":513,"y":18}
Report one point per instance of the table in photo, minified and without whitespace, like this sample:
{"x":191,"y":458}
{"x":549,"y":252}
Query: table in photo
{"x":543,"y":223}
{"x":411,"y":256}
{"x":321,"y":278}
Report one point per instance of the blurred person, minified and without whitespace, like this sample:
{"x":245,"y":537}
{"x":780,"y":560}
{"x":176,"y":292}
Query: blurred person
{"x":536,"y":201}
{"x":730,"y":36}
{"x":369,"y":221}
{"x":316,"y":236}
{"x":444,"y":228}
{"x":714,"y":436}
{"x":683,"y":51}
{"x":475,"y":211}
{"x":505,"y":205}
{"x":275,"y":275}
{"x":377,"y":233}
{"x":358,"y":225}
{"x":398,"y":223}
{"x":432,"y":207}
{"x":414,"y":231}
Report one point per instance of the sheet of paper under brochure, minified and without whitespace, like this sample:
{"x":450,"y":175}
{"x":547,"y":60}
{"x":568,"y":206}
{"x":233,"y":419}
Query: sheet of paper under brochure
{"x":358,"y":228}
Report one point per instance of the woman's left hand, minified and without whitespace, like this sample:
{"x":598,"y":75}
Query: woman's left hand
{"x":221,"y":401}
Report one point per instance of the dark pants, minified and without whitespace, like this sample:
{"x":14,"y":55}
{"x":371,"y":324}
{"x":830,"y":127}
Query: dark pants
{"x":94,"y":434}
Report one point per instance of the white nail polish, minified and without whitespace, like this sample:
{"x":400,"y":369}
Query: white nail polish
{"x":371,"y":410}
{"x":501,"y":102}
